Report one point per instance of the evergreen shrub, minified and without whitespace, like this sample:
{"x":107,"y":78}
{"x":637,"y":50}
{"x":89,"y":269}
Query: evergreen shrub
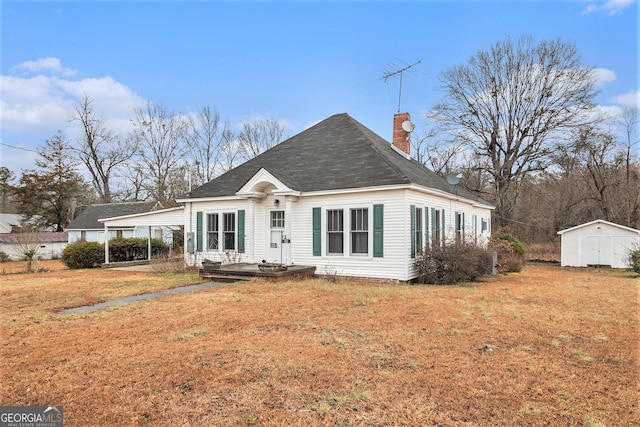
{"x":82,"y":254}
{"x":634,"y":260}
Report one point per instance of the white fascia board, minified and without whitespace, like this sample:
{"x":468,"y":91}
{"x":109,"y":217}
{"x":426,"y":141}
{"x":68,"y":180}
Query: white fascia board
{"x":599,"y":221}
{"x":209,"y":199}
{"x":161,"y":212}
{"x":419,"y":188}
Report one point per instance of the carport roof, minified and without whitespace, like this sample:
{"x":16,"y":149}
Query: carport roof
{"x":89,"y":218}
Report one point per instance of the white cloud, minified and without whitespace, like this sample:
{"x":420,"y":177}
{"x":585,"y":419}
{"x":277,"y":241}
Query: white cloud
{"x":44,"y":103}
{"x":43,"y":65}
{"x":604,"y":75}
{"x":612,"y":7}
{"x":630,"y":99}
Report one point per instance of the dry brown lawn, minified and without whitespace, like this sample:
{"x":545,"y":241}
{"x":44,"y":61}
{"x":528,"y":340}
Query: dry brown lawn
{"x":549,"y":346}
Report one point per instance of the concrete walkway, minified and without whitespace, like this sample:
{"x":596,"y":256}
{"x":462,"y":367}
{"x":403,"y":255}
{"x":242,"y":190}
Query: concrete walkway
{"x":133,"y":298}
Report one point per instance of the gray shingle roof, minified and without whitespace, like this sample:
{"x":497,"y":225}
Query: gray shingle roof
{"x":39,"y":237}
{"x":337,"y":153}
{"x":88,"y":218}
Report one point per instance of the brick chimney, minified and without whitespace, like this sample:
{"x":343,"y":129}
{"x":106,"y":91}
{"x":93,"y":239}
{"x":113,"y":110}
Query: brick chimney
{"x":401,"y":136}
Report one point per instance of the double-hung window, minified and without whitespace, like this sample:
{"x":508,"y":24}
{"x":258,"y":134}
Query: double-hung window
{"x":437,"y":230}
{"x":418,"y":231}
{"x":459,"y":227}
{"x":212,"y":232}
{"x":335,"y":231}
{"x":229,"y":231}
{"x":360,"y":231}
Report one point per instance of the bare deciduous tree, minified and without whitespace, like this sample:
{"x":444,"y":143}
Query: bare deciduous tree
{"x":207,"y":141}
{"x":27,"y":243}
{"x":101,"y":151}
{"x":509,"y":105}
{"x":161,"y":138}
{"x":259,"y":135}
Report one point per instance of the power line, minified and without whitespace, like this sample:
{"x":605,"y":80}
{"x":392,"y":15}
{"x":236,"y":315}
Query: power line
{"x":18,"y":148}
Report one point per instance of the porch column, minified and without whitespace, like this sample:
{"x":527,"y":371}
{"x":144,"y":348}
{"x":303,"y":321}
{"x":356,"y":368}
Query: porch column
{"x":106,"y":244}
{"x":149,"y":243}
{"x":288,"y":216}
{"x":250,"y":231}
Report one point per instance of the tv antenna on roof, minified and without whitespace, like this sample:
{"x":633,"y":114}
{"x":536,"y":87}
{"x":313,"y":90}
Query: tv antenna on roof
{"x":388,"y":74}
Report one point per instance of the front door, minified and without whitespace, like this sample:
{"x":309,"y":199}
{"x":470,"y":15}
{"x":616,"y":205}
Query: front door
{"x":276,"y":235}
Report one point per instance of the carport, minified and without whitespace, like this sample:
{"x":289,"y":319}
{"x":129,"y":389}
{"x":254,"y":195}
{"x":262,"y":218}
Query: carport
{"x":172,"y":217}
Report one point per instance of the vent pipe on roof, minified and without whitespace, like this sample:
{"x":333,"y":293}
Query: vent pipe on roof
{"x":402,"y":128}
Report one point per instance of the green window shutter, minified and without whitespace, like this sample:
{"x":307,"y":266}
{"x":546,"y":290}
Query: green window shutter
{"x":241,"y":230}
{"x":463,"y":230}
{"x":433,"y":223}
{"x":199,"y":231}
{"x":378,"y":231}
{"x":413,"y":231}
{"x":317,"y":231}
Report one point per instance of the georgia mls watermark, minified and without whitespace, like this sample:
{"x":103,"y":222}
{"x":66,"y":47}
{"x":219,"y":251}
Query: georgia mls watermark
{"x":31,"y":416}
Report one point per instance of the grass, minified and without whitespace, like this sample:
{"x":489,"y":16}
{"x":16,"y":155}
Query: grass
{"x":316,"y":352}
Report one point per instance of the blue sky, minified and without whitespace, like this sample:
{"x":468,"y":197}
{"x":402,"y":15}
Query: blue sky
{"x":298,"y":62}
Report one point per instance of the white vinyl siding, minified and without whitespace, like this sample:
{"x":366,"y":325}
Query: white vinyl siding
{"x":395,"y":262}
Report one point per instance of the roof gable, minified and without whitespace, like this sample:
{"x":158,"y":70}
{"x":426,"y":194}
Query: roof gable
{"x":337,"y":153}
{"x":599,"y":221}
{"x":261,"y":181}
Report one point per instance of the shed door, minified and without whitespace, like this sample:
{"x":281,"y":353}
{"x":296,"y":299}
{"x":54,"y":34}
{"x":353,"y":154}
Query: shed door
{"x":599,"y":250}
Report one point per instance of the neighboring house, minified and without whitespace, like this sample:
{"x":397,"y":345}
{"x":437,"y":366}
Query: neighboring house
{"x":48,"y":245}
{"x":598,"y":243}
{"x":9,"y":220}
{"x":336,"y":196}
{"x":87,"y":225}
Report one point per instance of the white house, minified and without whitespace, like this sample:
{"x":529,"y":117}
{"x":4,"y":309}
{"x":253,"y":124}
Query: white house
{"x":336,"y":196}
{"x":598,"y":243}
{"x":7,"y":221}
{"x":47,"y":244}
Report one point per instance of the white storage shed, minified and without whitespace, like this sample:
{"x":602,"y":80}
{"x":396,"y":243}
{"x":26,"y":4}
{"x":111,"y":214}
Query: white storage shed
{"x":598,"y":243}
